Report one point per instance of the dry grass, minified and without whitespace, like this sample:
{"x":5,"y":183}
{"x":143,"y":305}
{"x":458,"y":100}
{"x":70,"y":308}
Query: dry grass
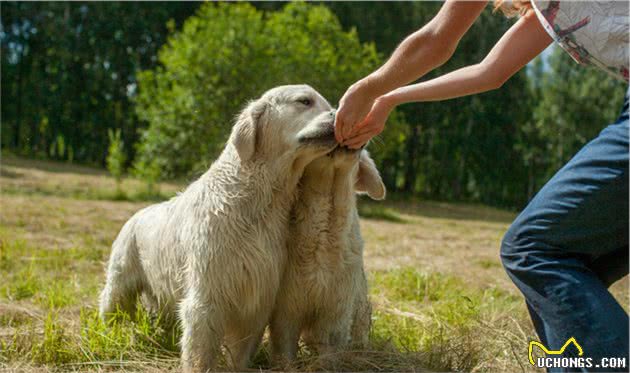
{"x":441,"y":298}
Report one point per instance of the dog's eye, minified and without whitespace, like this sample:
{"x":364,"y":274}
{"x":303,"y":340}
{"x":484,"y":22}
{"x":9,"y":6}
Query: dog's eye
{"x":305,"y":101}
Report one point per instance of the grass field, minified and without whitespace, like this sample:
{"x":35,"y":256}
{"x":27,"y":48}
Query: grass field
{"x":441,"y":298}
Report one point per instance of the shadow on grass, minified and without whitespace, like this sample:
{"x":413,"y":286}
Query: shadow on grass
{"x":404,"y":205}
{"x":377,"y":211}
{"x":49,"y":166}
{"x":89,"y":184}
{"x":10,"y":174}
{"x":92,"y":194}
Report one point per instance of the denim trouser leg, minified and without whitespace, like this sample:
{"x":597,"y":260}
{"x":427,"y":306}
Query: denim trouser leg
{"x":571,"y":242}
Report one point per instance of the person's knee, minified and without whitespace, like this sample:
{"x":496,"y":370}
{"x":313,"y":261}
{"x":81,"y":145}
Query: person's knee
{"x":514,"y":246}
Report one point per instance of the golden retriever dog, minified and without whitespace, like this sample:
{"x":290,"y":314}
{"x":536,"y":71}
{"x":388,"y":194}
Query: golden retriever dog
{"x":215,"y":254}
{"x":323,"y":295}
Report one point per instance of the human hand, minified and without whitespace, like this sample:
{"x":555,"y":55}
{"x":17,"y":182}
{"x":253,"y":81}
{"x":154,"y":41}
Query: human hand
{"x":373,"y":124}
{"x":353,"y":108}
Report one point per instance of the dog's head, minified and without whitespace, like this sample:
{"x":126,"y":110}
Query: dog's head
{"x":287,"y":122}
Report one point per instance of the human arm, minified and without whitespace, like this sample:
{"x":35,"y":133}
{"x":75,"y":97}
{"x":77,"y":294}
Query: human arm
{"x":419,"y":53}
{"x":520,"y":44}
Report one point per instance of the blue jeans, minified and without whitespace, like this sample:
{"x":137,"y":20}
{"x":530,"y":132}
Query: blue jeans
{"x":571,"y":243}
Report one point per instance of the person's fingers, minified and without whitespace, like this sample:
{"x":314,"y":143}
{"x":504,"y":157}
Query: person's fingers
{"x":360,"y":126}
{"x":358,"y":141}
{"x":364,"y":128}
{"x":338,"y":129}
{"x":347,"y":128}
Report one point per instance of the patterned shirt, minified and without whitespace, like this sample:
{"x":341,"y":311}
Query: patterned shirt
{"x":592,"y":32}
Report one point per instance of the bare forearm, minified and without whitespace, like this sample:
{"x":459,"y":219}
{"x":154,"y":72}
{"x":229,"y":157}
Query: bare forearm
{"x":425,"y":49}
{"x":519,"y":45}
{"x":465,"y":81}
{"x":415,"y":56}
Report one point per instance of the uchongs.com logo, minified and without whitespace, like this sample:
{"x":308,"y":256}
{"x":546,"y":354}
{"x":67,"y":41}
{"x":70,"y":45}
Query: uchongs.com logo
{"x":553,"y":358}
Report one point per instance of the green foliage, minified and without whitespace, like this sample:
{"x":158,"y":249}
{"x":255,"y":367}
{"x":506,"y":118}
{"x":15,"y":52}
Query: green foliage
{"x":148,"y":171}
{"x":68,"y":72}
{"x":58,"y":148}
{"x":572,"y":104}
{"x":126,"y":336}
{"x":58,"y":326}
{"x":497,"y":148}
{"x":230,"y":53}
{"x":116,"y":156}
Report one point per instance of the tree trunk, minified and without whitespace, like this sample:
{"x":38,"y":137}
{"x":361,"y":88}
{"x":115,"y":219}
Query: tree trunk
{"x":18,"y":114}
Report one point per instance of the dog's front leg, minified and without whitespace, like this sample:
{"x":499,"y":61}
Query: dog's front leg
{"x":243,"y":344}
{"x":362,"y":318}
{"x":331,"y":331}
{"x":203,"y":330}
{"x":284,"y":335}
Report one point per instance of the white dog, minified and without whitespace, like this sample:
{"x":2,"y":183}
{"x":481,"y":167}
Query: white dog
{"x":217,"y":251}
{"x":323,"y":295}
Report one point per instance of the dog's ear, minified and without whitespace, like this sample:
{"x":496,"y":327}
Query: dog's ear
{"x":245,"y":132}
{"x":368,"y":178}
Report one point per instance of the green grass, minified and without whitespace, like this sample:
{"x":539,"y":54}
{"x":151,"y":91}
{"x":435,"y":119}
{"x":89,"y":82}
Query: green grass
{"x":425,"y":318}
{"x":439,"y":316}
{"x":122,"y":342}
{"x":441,"y":300}
{"x":58,"y":325}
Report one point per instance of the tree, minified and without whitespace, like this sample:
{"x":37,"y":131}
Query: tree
{"x":72,"y":71}
{"x":573,"y":103}
{"x":230,"y":53}
{"x":68,"y":72}
{"x":116,"y":157}
{"x":148,"y":171}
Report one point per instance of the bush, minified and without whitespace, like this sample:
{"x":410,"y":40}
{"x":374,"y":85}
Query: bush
{"x":149,"y":172}
{"x":230,"y":53}
{"x":116,"y":157}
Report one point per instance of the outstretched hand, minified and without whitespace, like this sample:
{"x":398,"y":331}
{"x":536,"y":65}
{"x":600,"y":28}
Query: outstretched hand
{"x":371,"y":126}
{"x":353,"y":108}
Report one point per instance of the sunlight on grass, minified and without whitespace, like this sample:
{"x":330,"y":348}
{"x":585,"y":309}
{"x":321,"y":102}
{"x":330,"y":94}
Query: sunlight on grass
{"x":120,"y":342}
{"x":488,"y":264}
{"x":420,"y":319}
{"x":54,"y":247}
{"x":439,"y":316}
{"x":22,"y":285}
